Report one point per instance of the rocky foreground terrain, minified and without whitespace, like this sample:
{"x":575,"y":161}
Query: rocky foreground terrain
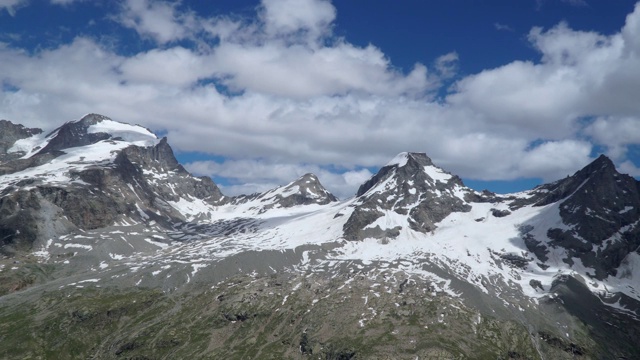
{"x":110,"y":249}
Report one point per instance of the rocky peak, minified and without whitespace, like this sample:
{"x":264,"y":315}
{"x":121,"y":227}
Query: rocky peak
{"x":600,"y":208}
{"x":158,"y":167}
{"x":410,"y":185}
{"x":307,"y":189}
{"x":601,"y":169}
{"x":410,"y":169}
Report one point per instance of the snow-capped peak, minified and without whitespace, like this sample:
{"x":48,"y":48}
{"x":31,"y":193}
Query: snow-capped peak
{"x":90,"y":129}
{"x":130,"y":133}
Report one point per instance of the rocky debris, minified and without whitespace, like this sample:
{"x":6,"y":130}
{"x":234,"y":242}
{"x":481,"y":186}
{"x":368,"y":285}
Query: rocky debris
{"x":608,"y":327}
{"x":536,"y":284}
{"x":568,"y":347}
{"x":32,"y":215}
{"x":500,"y":213}
{"x":515,"y":260}
{"x":411,"y":186}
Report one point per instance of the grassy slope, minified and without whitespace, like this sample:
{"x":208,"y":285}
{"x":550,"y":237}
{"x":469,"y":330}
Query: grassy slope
{"x":249,"y":318}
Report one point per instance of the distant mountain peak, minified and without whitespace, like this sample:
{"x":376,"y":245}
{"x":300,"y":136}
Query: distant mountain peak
{"x":305,"y":190}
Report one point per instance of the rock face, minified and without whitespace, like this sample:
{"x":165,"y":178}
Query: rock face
{"x":410,"y":186}
{"x":10,"y":133}
{"x":600,"y":210}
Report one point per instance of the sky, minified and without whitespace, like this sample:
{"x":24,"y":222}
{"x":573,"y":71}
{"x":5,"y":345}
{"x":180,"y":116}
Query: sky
{"x":506,"y":94}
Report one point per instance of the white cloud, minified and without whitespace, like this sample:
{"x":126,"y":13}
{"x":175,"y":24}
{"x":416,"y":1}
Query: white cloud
{"x":447,"y":65}
{"x":158,"y":20}
{"x":175,"y":66}
{"x":627,"y":167}
{"x":312,"y":103}
{"x":294,"y":19}
{"x":12,"y":5}
{"x":615,"y":133}
{"x":298,"y":71}
{"x":581,"y":74}
{"x":555,"y":159}
{"x":502,"y":27}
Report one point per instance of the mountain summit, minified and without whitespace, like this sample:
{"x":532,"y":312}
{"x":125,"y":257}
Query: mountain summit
{"x":408,"y":192}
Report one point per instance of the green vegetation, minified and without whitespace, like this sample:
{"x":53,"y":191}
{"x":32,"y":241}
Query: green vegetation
{"x":249,"y":318}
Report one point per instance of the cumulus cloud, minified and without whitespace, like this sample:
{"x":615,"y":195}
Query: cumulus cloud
{"x":581,"y":74}
{"x":309,"y":19}
{"x":615,"y":133}
{"x":278,"y":96}
{"x":447,"y":65}
{"x":627,"y":167}
{"x":158,"y":20}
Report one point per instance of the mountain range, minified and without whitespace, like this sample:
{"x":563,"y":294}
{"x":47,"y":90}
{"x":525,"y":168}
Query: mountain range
{"x":111,"y":249}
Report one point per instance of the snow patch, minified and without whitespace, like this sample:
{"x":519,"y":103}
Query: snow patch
{"x":400,"y":160}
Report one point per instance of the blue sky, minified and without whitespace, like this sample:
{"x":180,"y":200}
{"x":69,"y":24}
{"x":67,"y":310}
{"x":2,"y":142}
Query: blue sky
{"x":506,"y":94}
